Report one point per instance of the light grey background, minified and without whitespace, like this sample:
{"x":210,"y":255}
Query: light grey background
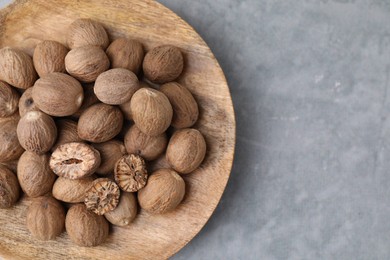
{"x":309,"y":81}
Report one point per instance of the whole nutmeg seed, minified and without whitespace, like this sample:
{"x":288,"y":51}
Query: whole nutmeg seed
{"x":110,"y":152}
{"x":12,"y":165}
{"x":86,"y":63}
{"x":84,"y":227}
{"x":186,"y":150}
{"x":58,"y":94}
{"x":102,"y":197}
{"x":16,"y":68}
{"x":89,"y":99}
{"x":163,"y":193}
{"x":26,"y":102}
{"x":130,"y":173}
{"x":45,"y":218}
{"x":36,"y":132}
{"x":116,"y":86}
{"x":10,"y":148}
{"x":9,"y":188}
{"x":74,"y":160}
{"x":49,"y":56}
{"x":148,"y":147}
{"x":151,"y":111}
{"x":100,"y":123}
{"x":34,"y":174}
{"x":9,"y":100}
{"x":71,"y":191}
{"x":125,"y":212}
{"x":163,"y":64}
{"x":127,"y":54}
{"x":125,"y":107}
{"x":185,"y":108}
{"x":84,"y":32}
{"x":67,"y":133}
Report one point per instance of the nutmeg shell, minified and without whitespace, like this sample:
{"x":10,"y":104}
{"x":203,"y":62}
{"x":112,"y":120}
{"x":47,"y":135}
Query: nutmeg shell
{"x":9,"y":188}
{"x":82,"y":32}
{"x":126,"y":53}
{"x":49,"y":56}
{"x":9,"y":100}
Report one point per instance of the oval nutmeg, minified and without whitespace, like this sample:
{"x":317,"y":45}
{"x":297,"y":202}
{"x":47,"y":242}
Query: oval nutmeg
{"x":9,"y":188}
{"x":71,"y":191}
{"x":58,"y":94}
{"x":16,"y":68}
{"x":110,"y":152}
{"x":9,"y":100}
{"x":49,"y":56}
{"x":127,"y":54}
{"x":26,"y":102}
{"x":125,"y":212}
{"x":84,"y":32}
{"x":10,"y":148}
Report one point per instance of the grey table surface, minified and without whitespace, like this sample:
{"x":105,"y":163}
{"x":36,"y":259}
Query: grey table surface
{"x":309,"y":81}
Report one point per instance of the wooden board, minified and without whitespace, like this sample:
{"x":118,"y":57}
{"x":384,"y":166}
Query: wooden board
{"x":25,"y":23}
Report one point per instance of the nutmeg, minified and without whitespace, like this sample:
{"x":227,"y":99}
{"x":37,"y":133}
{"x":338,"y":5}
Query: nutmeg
{"x":130,"y":173}
{"x":9,"y":188}
{"x":125,"y":107}
{"x":151,"y":111}
{"x":49,"y":56}
{"x":110,"y":152}
{"x":186,"y":150}
{"x":102,"y":196}
{"x":127,"y":54}
{"x":16,"y":68}
{"x":67,"y":133}
{"x":34,"y":174}
{"x":86,"y":63}
{"x":125,"y":212}
{"x":185,"y":108}
{"x":72,"y":191}
{"x":26,"y":102}
{"x":36,"y":132}
{"x":84,"y":32}
{"x":58,"y":94}
{"x":116,"y":86}
{"x":163,"y":193}
{"x":9,"y":99}
{"x":10,"y":148}
{"x":163,"y":64}
{"x":100,"y":123}
{"x":84,"y":227}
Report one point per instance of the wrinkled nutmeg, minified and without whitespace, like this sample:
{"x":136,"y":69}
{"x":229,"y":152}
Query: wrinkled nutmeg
{"x":72,"y":191}
{"x":116,"y":86}
{"x":186,"y":150}
{"x":10,"y":148}
{"x":89,"y":99}
{"x":84,"y":32}
{"x":49,"y":56}
{"x":125,"y":107}
{"x":110,"y":152}
{"x":16,"y":68}
{"x":74,"y":160}
{"x":34,"y":174}
{"x":151,"y":111}
{"x":67,"y":133}
{"x":36,"y":132}
{"x":12,"y":165}
{"x":100,"y":123}
{"x":84,"y":227}
{"x":127,"y":54}
{"x":86,"y":63}
{"x":164,"y":192}
{"x":58,"y":94}
{"x":9,"y":100}
{"x":125,"y":212}
{"x":45,"y":218}
{"x":148,"y":147}
{"x":163,"y":64}
{"x":102,"y":196}
{"x":130,"y":173}
{"x":9,"y":188}
{"x":185,"y":108}
{"x":26,"y":102}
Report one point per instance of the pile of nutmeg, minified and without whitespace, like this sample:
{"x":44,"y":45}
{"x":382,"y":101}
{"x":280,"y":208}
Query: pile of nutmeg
{"x":82,"y":137}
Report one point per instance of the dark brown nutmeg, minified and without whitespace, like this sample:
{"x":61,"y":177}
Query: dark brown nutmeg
{"x":127,"y":54}
{"x":110,"y":152}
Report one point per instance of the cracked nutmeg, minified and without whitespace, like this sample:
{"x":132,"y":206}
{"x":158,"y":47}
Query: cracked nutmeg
{"x":130,"y":173}
{"x":103,"y":196}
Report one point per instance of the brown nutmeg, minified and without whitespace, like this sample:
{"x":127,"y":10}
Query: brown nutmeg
{"x":71,"y":191}
{"x":130,"y":173}
{"x":151,"y":111}
{"x":125,"y":212}
{"x":36,"y":132}
{"x":84,"y":227}
{"x":84,"y":32}
{"x":116,"y":86}
{"x":163,"y":64}
{"x":34,"y":174}
{"x":164,"y":192}
{"x":86,"y":63}
{"x":58,"y":94}
{"x":49,"y":56}
{"x":186,"y":150}
{"x":110,"y":152}
{"x":127,"y":54}
{"x":9,"y":100}
{"x":125,"y":107}
{"x":89,"y":99}
{"x":148,"y":147}
{"x":102,"y":196}
{"x":26,"y":102}
{"x":10,"y":148}
{"x":45,"y":218}
{"x":67,"y":133}
{"x":16,"y":68}
{"x":185,"y":108}
{"x":9,"y":188}
{"x":12,"y":165}
{"x":100,"y":123}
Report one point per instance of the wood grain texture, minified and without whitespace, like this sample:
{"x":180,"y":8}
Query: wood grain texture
{"x":25,"y":23}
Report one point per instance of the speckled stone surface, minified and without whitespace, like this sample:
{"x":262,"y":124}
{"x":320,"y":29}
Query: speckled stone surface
{"x":310,"y":85}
